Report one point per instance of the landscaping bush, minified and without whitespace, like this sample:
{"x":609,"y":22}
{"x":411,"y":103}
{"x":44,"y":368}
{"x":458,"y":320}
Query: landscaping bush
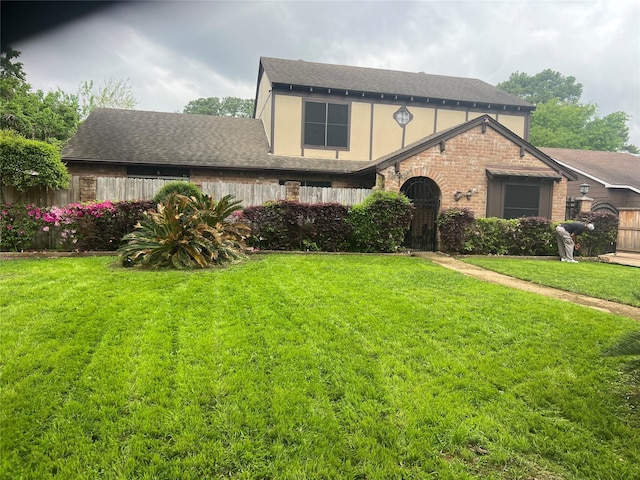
{"x":461,"y":233}
{"x":186,"y":232}
{"x":104,"y":231}
{"x":18,"y":226}
{"x":454,"y":224}
{"x":380,"y":222}
{"x":78,"y":227}
{"x":603,"y":238}
{"x":534,"y":236}
{"x":187,"y":189}
{"x":489,"y":236}
{"x":287,"y":225}
{"x":26,"y":164}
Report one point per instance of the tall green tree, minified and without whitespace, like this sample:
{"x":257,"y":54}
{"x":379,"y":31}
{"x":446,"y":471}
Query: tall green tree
{"x":562,"y":125}
{"x":51,"y":117}
{"x":560,"y":120}
{"x":542,"y":87}
{"x":54,"y":116}
{"x":225,"y":107}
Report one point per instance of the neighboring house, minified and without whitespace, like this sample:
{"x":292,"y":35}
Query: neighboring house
{"x":613,"y":178}
{"x":443,"y":141}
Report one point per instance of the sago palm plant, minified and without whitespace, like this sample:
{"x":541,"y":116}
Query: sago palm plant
{"x":627,"y":345}
{"x":186,"y":232}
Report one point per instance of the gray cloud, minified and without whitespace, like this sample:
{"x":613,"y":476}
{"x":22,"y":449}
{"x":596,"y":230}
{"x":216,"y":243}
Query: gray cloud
{"x":176,"y":51}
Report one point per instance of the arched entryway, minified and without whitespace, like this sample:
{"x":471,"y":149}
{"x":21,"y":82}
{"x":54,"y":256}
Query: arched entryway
{"x":424,"y":193}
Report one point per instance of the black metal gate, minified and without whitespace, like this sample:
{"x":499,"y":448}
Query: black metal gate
{"x":425,"y":196}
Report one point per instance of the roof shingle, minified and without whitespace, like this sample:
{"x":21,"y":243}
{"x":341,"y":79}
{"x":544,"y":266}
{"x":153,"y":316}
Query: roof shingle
{"x":177,"y":139}
{"x":375,"y":80}
{"x":612,"y":168}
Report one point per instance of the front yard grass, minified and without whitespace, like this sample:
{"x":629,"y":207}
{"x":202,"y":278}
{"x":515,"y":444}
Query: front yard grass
{"x":305,"y":367}
{"x":618,"y":283}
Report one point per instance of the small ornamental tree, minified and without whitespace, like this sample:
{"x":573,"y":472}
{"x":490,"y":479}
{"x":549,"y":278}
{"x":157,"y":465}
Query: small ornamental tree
{"x":26,"y":164}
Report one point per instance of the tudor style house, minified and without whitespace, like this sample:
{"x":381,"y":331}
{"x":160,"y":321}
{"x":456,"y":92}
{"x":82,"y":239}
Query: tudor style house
{"x":443,"y":141}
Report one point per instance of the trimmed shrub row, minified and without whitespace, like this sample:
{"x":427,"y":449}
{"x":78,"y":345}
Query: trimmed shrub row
{"x":79,"y":227}
{"x":378,"y":224}
{"x":462,"y":233}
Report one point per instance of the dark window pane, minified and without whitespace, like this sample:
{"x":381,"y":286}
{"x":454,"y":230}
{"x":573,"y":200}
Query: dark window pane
{"x":326,"y":124}
{"x":315,"y":112}
{"x":314,"y":134}
{"x":338,"y":114}
{"x":336,"y":136}
{"x":521,"y":201}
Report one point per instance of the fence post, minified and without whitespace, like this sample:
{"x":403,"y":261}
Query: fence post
{"x":293,"y":191}
{"x":88,"y":189}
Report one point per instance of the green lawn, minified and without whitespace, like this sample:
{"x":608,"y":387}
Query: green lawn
{"x":618,"y":283}
{"x":305,"y":367}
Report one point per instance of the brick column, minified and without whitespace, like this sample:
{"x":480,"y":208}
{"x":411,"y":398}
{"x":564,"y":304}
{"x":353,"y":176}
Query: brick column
{"x":293,"y":191}
{"x":584,"y":203}
{"x":88,"y":189}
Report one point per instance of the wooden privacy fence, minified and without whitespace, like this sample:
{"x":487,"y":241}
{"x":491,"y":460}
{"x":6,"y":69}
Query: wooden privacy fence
{"x":629,"y":230}
{"x":118,"y":189}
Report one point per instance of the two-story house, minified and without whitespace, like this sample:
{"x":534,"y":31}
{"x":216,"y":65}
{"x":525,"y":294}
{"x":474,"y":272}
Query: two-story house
{"x":443,"y":141}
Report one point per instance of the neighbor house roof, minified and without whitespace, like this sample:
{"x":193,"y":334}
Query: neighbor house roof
{"x":178,"y":139}
{"x":611,"y":169}
{"x":298,"y":73}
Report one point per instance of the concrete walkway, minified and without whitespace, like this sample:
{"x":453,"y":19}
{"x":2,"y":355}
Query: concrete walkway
{"x":494,"y":277}
{"x":622,"y":258}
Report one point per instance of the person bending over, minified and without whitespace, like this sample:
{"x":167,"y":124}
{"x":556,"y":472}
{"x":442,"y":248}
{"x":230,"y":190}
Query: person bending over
{"x":567,"y":235}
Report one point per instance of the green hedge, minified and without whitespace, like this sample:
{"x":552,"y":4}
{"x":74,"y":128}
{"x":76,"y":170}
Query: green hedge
{"x":462,"y":233}
{"x":378,"y":224}
{"x":26,"y":164}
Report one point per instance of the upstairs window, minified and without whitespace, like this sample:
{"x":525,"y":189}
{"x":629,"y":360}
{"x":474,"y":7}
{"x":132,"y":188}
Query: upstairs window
{"x":326,"y":124}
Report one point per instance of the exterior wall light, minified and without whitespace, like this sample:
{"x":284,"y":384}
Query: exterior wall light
{"x":584,"y":188}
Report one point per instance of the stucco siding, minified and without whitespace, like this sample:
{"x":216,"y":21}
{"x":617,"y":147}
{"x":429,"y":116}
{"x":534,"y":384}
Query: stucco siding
{"x":387,"y":134}
{"x":514,"y":123}
{"x":450,"y":118}
{"x":359,"y":134}
{"x":263,"y":105}
{"x":287,"y":131}
{"x":422,"y":125}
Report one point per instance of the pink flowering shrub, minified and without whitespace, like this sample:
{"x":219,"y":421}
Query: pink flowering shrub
{"x":78,"y":226}
{"x":18,"y":226}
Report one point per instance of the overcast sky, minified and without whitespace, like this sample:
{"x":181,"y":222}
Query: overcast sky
{"x":172,"y":52}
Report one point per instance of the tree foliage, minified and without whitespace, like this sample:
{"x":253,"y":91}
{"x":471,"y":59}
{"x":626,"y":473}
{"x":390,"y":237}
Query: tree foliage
{"x":560,"y":120}
{"x":221,"y":107}
{"x":26,"y":164}
{"x":112,"y":94}
{"x":557,"y":124}
{"x":542,"y":87}
{"x":52,"y":117}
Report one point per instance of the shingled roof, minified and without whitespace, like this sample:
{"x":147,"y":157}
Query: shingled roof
{"x":611,"y":169}
{"x":299,"y":73}
{"x":177,"y":139}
